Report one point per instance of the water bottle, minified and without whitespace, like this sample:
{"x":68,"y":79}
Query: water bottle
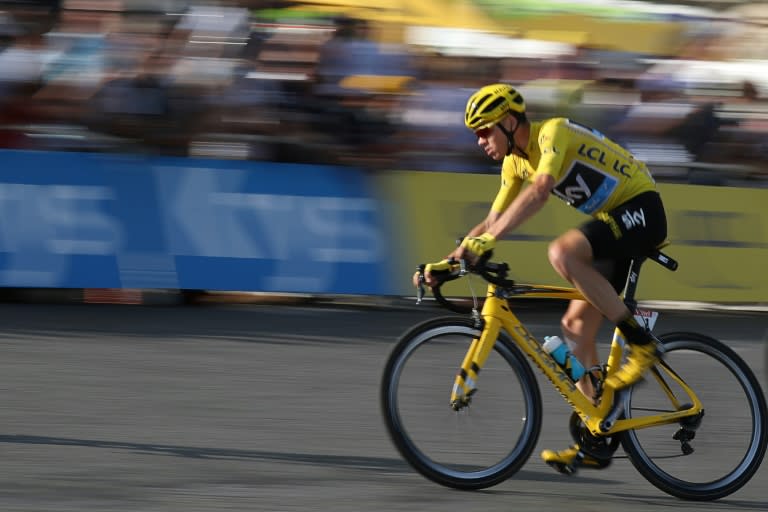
{"x":560,"y":352}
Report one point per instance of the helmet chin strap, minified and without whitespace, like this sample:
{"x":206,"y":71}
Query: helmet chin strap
{"x":511,"y":145}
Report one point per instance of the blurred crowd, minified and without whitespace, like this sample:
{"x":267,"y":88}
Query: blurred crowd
{"x":222,"y":79}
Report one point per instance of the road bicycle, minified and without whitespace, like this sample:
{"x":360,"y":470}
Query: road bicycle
{"x":476,"y":427}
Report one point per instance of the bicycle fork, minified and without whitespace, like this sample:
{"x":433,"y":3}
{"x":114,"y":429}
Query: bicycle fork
{"x":464,"y":385}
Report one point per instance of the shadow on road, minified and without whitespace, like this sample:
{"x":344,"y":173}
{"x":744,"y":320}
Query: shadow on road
{"x":376,"y":464}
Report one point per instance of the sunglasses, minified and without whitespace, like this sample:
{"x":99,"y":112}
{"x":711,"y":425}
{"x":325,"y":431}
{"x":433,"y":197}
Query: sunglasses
{"x":484,"y":133}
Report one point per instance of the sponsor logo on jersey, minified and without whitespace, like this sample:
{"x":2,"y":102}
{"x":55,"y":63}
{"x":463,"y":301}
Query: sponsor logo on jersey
{"x":585,"y":187}
{"x":578,"y":192}
{"x":598,"y":154}
{"x":548,"y":150}
{"x":632,"y":219}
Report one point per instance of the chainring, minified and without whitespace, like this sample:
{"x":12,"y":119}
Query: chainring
{"x":600,"y":448}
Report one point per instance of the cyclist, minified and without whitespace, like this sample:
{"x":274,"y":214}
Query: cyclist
{"x":559,"y":157}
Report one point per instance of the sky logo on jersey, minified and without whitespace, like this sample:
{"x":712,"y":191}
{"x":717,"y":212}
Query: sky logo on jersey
{"x":578,"y":192}
{"x":632,"y":219}
{"x":585,"y":187}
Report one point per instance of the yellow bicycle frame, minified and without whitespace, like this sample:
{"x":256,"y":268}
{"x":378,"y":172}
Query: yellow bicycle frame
{"x":497,"y":315}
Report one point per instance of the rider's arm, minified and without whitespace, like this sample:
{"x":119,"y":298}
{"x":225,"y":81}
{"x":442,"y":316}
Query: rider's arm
{"x":509,"y":189}
{"x":484,"y":225}
{"x":553,"y":141}
{"x":528,"y":202}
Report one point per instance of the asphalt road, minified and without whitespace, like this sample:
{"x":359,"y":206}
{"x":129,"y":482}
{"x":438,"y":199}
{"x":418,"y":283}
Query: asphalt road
{"x":262,"y":408}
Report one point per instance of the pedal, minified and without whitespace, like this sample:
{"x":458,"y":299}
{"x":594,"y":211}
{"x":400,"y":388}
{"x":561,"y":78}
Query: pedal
{"x":599,"y":463}
{"x":582,"y":460}
{"x":566,"y":469}
{"x":588,"y":460}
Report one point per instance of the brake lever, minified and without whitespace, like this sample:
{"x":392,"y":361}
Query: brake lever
{"x":420,"y":290}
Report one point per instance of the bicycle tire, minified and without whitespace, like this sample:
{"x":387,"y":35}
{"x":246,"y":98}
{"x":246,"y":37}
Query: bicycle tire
{"x":697,"y":347}
{"x":461,"y":474}
{"x":765,"y":356}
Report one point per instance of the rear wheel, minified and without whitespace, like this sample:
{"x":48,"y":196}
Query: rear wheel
{"x":476,"y":447}
{"x":711,"y":455}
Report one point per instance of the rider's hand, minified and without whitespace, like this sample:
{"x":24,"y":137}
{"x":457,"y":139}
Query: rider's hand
{"x":479,"y":245}
{"x":445,"y":265}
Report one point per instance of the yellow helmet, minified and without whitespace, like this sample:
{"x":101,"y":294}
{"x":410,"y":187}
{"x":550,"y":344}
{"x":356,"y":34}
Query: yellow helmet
{"x":490,"y":104}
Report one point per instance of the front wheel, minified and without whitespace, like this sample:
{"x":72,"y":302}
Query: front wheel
{"x":479,"y":446}
{"x":711,"y":455}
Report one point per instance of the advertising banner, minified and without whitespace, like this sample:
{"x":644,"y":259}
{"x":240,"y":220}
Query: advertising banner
{"x":79,"y":220}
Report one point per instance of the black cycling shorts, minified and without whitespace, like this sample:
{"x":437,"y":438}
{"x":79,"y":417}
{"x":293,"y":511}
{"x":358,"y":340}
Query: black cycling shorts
{"x":630,"y":230}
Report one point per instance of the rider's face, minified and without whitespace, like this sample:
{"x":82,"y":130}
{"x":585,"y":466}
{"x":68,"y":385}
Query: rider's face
{"x":493,"y":141}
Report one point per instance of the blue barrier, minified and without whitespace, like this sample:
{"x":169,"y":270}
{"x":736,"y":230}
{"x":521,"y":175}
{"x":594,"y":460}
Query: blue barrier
{"x":89,"y":220}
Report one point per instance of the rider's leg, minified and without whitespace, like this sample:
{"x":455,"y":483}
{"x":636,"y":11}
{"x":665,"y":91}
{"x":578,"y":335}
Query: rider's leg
{"x":572,"y":257}
{"x":580,"y":324}
{"x":609,"y":238}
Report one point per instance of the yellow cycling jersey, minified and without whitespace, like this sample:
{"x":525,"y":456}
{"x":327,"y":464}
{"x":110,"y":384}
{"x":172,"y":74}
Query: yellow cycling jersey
{"x":592,"y":173}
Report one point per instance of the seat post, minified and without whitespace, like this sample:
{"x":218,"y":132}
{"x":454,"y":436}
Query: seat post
{"x":630,"y":288}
